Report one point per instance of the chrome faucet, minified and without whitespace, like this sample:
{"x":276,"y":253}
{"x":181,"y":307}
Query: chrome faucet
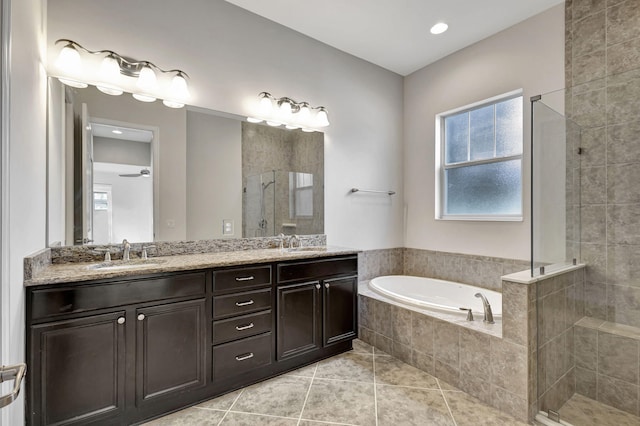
{"x":281,"y":240}
{"x":488,"y":315}
{"x":294,"y":242}
{"x":126,"y":249}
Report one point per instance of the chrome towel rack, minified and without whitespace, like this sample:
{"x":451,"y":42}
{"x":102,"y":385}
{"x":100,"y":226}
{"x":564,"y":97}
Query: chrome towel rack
{"x":15,"y":373}
{"x":372,"y":191}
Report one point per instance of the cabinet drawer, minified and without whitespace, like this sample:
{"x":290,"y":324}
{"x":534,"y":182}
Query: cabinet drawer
{"x":81,"y":298}
{"x":315,"y":269}
{"x":233,"y":279}
{"x":240,"y":327}
{"x":238,"y":357}
{"x":241,"y":303}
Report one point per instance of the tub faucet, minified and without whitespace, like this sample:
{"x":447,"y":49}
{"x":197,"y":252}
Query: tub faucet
{"x":488,"y":315}
{"x":126,"y":249}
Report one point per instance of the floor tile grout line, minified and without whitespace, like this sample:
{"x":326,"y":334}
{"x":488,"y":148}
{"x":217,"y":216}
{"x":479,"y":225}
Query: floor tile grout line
{"x":446,"y":403}
{"x":304,"y":404}
{"x":231,"y":406}
{"x":375,"y":392}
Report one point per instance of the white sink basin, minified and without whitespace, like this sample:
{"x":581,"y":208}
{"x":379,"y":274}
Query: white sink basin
{"x":120,"y":265}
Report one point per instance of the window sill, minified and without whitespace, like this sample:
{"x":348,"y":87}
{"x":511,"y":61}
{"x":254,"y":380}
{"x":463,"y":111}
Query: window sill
{"x":472,"y":218}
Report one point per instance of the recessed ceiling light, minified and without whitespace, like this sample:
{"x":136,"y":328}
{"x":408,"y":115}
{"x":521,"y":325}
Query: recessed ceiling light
{"x":439,"y":28}
{"x":117,"y":132}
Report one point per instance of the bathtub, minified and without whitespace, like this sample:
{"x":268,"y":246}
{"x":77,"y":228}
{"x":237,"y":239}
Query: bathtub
{"x":439,"y":295}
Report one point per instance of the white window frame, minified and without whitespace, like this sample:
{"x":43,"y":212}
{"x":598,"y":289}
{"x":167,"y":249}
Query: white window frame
{"x":440,"y":163}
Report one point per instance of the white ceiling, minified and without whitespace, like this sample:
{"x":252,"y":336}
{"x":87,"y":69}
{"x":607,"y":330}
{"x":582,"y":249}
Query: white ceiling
{"x":394,"y":34}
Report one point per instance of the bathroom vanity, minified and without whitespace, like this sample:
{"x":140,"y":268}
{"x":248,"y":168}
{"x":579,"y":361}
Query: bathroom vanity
{"x":138,"y":344}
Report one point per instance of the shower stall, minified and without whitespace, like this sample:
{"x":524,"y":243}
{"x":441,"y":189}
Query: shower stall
{"x":588,"y":318}
{"x":280,"y":201}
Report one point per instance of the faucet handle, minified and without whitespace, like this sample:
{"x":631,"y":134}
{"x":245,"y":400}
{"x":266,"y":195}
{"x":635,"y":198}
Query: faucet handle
{"x":107,"y":253}
{"x":144,"y":251}
{"x":469,"y":313}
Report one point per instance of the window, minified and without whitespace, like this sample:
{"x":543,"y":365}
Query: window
{"x":479,"y":160}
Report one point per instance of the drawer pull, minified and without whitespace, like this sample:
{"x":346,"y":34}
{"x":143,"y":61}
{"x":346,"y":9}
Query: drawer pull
{"x":250,"y":302}
{"x":326,"y":285}
{"x":141,"y":317}
{"x":121,"y":320}
{"x":244,"y":357}
{"x":245,"y":278}
{"x":244,"y":327}
{"x":318,"y":286}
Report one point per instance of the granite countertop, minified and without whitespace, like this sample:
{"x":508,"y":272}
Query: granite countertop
{"x":76,"y":272}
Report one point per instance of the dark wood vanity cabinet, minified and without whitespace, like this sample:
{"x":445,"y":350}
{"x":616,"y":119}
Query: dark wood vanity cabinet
{"x":93,"y":363}
{"x":316,"y":305}
{"x":123,"y":351}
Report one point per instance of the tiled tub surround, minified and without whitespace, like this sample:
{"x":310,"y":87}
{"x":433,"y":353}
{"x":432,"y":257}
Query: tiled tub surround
{"x":495,"y":363}
{"x":486,"y":361}
{"x":480,"y":271}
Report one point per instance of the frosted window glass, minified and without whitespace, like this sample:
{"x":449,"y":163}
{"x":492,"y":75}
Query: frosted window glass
{"x":457,"y":137}
{"x":509,"y":127}
{"x":484,"y":189}
{"x":482,"y":133}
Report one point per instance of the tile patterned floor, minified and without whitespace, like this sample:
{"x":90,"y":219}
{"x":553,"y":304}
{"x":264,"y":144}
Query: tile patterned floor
{"x":361,"y":387}
{"x":582,"y":411}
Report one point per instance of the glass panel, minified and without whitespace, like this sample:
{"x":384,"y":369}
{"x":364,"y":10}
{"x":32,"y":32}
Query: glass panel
{"x":556,"y":190}
{"x":456,"y":138}
{"x":482,"y":132}
{"x":300,"y":195}
{"x":509,"y":127}
{"x":484,"y":189}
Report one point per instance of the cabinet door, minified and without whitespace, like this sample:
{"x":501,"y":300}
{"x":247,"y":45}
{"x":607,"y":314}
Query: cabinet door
{"x":339,"y":309}
{"x":170,"y":350}
{"x":299,"y":325}
{"x":78,"y":370}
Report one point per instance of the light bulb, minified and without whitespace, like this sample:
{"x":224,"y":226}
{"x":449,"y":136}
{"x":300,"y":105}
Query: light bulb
{"x":274,"y":123}
{"x":254,"y":120}
{"x":73,"y":83}
{"x":143,"y":98}
{"x":292,"y":126}
{"x":266,"y":106}
{"x":179,"y":89}
{"x":285,"y":110}
{"x":305,"y":129}
{"x":172,"y":104}
{"x":322,"y":118}
{"x":69,"y":61}
{"x":109,"y":74}
{"x":304,"y":114}
{"x":147,"y":80}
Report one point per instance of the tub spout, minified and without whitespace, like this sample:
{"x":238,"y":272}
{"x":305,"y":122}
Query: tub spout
{"x":488,"y":315}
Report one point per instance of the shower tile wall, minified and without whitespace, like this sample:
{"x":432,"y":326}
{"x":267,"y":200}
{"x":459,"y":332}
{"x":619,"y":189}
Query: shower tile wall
{"x":559,"y":304}
{"x":267,"y":148}
{"x":603,"y":74}
{"x":603,"y":80}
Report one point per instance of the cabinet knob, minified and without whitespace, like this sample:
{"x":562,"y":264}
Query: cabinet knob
{"x":140,"y":317}
{"x":121,"y":320}
{"x":326,"y":285}
{"x":318,"y":286}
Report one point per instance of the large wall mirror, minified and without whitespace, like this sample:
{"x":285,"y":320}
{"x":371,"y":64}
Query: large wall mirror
{"x":119,"y":168}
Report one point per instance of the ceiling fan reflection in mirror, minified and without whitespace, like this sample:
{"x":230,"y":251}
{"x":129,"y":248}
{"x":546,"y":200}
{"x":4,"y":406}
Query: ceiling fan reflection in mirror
{"x":144,"y":173}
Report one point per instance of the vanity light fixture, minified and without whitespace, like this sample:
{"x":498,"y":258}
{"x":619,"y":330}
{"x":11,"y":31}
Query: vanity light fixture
{"x":116,"y":74}
{"x":289,"y":113}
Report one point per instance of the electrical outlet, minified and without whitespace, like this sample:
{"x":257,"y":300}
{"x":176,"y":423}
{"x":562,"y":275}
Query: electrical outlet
{"x":227,"y":227}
